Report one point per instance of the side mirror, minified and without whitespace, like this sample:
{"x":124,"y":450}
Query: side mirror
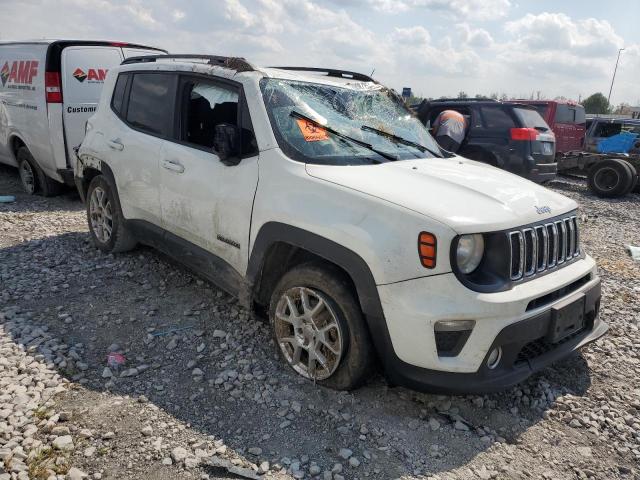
{"x":226,"y":143}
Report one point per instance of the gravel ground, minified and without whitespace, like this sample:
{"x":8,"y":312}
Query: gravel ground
{"x":201,"y":393}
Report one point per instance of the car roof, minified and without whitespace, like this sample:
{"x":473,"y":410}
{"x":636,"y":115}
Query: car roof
{"x":231,"y":67}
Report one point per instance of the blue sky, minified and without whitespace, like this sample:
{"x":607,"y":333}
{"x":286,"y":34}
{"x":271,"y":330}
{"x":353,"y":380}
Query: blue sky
{"x":437,"y":47}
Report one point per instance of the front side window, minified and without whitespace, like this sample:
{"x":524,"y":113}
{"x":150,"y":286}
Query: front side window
{"x":151,"y":103}
{"x":208,"y":105}
{"x":370,"y":115}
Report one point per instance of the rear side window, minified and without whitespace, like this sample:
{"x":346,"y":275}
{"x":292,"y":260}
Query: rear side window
{"x":151,"y":103}
{"x":530,"y":118}
{"x":569,"y":114}
{"x":496,"y":117}
{"x":604,"y":129}
{"x":117,"y":101}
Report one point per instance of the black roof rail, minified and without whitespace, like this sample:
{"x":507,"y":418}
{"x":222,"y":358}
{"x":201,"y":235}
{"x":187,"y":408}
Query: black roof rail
{"x":483,"y":99}
{"x":332,"y":72}
{"x":234,"y":63}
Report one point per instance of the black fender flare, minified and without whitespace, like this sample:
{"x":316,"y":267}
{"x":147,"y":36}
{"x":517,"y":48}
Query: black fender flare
{"x":348,"y":260}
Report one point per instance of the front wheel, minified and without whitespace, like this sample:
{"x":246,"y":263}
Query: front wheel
{"x":106,"y":223}
{"x":319,"y":328}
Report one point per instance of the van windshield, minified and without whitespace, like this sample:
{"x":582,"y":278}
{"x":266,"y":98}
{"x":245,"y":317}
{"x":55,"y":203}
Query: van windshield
{"x":365,"y":123}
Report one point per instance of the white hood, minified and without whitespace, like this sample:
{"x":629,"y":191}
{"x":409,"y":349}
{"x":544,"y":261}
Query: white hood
{"x":466,"y":195}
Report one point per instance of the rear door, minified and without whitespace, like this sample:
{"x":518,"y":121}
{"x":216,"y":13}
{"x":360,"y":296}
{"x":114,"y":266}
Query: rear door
{"x":84,"y":69}
{"x":569,"y":127}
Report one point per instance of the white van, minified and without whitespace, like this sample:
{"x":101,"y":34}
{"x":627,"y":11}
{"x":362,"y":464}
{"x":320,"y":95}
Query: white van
{"x":48,"y":90}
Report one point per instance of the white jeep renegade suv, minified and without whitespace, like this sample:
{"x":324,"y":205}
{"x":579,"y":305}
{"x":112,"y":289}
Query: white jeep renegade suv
{"x":317,"y":195}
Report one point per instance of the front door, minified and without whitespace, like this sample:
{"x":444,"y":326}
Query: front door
{"x":203,"y":200}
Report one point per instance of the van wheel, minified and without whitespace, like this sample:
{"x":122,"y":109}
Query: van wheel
{"x":106,"y":223}
{"x":33,"y":178}
{"x":318,"y":327}
{"x":610,"y":178}
{"x":27,"y":175}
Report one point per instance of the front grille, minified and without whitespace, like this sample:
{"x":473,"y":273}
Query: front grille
{"x":538,"y":248}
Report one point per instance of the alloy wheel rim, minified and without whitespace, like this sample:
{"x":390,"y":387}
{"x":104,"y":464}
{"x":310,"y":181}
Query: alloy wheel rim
{"x":308,"y":333}
{"x":27,"y":178}
{"x":606,"y":179}
{"x":101,"y":215}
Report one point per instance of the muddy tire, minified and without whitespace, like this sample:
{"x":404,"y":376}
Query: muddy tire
{"x":318,"y":327}
{"x":32,"y":177}
{"x":610,"y":178}
{"x":106,"y":223}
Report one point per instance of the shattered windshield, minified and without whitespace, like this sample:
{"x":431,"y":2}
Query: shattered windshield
{"x":351,"y":125}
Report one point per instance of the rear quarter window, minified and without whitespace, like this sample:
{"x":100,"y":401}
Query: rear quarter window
{"x":151,"y":101}
{"x":117,"y":100}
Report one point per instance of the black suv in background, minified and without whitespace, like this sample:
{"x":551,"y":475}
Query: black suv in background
{"x":506,"y":135}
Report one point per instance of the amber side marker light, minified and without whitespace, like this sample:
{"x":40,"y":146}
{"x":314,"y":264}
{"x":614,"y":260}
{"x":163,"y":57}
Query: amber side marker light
{"x":427,"y":249}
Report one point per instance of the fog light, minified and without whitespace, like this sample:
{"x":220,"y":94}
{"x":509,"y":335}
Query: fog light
{"x":494,"y":358}
{"x":453,"y":325}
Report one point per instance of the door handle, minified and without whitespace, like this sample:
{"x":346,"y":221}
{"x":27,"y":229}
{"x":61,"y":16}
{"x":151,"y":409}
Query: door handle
{"x":173,"y":165}
{"x":115,"y":144}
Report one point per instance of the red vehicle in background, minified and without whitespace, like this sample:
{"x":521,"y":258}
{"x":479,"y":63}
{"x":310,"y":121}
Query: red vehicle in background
{"x":566,"y":119}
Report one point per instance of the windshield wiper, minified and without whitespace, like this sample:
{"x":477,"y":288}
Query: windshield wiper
{"x":401,"y":140}
{"x":338,"y":134}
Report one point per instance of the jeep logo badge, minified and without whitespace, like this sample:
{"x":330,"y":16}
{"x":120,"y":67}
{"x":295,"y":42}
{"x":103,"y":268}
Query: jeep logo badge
{"x":542,"y":210}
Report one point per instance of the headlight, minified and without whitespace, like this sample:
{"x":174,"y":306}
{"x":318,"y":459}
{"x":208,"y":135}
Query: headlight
{"x":469,"y":252}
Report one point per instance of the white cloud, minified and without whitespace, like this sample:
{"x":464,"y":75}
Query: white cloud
{"x":558,"y":32}
{"x":438,"y":47}
{"x":474,"y":37}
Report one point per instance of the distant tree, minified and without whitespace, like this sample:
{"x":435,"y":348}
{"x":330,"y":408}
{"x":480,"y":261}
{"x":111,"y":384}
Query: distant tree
{"x":463,"y":94}
{"x":596,"y":103}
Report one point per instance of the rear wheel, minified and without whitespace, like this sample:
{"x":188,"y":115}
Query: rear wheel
{"x":318,"y":327}
{"x":634,"y":177}
{"x":33,"y":178}
{"x":27,"y":176}
{"x":106,"y":223}
{"x":610,"y":178}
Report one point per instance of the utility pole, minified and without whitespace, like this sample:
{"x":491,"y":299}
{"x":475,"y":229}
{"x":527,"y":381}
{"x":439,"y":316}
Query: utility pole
{"x":614,"y":75}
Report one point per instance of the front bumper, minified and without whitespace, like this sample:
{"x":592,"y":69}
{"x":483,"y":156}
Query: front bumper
{"x":502,"y":320}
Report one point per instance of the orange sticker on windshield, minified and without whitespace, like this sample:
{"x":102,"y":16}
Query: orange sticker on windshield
{"x":311,"y":131}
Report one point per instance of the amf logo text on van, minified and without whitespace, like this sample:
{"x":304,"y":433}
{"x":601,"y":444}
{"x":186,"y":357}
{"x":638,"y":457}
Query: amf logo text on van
{"x":19,"y":74}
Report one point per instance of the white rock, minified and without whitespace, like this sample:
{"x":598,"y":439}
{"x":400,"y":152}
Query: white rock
{"x":76,"y":474}
{"x":178,"y":454}
{"x":64,"y":442}
{"x":345,"y":453}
